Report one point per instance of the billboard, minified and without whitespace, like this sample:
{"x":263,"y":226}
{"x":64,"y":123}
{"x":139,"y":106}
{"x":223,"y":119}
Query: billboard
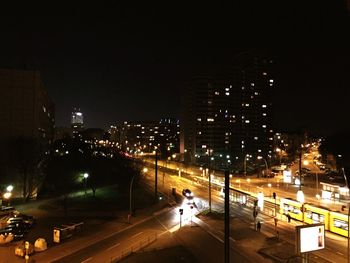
{"x":309,"y":238}
{"x":287,"y":176}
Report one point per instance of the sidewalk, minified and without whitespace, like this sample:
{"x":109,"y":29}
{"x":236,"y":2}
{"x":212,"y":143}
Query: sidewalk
{"x":80,"y":241}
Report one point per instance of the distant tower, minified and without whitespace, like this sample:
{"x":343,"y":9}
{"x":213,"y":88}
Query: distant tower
{"x":77,"y":121}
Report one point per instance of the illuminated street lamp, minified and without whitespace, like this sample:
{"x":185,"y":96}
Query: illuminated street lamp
{"x":300,"y":196}
{"x":145,"y":170}
{"x":7,"y":196}
{"x":306,"y":162}
{"x":266,"y":166}
{"x":269,"y":185}
{"x":9,"y":188}
{"x":85,"y":175}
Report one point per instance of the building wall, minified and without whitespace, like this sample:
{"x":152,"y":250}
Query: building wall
{"x":25,"y":107}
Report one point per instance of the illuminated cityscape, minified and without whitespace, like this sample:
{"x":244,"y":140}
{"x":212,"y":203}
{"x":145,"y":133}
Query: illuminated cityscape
{"x":175,"y":133}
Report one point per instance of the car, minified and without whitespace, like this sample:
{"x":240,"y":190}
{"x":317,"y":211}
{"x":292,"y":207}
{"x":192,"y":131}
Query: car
{"x":187,"y":193}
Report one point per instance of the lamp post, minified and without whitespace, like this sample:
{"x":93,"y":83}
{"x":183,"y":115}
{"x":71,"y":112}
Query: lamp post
{"x":245,"y":164}
{"x":130,"y":198}
{"x":266,"y":166}
{"x":85,"y":175}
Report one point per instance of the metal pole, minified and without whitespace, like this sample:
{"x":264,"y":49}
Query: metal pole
{"x":130,"y":196}
{"x":156,"y":178}
{"x":85,"y":185}
{"x":245,"y":165}
{"x":348,"y":233}
{"x":300,"y":154}
{"x":227,"y":216}
{"x":209,"y":183}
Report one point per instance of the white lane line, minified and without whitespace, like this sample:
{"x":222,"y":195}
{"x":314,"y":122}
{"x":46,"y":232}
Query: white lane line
{"x":86,"y":260}
{"x":215,"y":236}
{"x":136,"y":234}
{"x":113,"y":246}
{"x":340,"y":253}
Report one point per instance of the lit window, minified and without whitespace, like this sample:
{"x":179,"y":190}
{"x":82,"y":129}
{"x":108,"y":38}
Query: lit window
{"x":204,"y":146}
{"x":242,"y":88}
{"x":264,"y":106}
{"x":252,"y":84}
{"x":247,"y":105}
{"x":199,"y":133}
{"x":217,"y":93}
{"x":264,"y":73}
{"x":259,"y":150}
{"x":227,"y":142}
{"x":264,"y":126}
{"x":255,"y":138}
{"x":242,"y":142}
{"x":271,"y":80}
{"x":256,"y":93}
{"x":227,"y":93}
{"x":243,"y":117}
{"x":199,"y":119}
{"x":264,"y":114}
{"x":210,"y":119}
{"x":247,"y":121}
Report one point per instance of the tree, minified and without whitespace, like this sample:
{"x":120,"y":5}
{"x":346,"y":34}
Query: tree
{"x":26,"y":154}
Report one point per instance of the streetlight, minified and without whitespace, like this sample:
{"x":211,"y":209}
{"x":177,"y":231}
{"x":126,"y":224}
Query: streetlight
{"x":130,"y":197}
{"x":266,"y":167}
{"x":269,"y":185}
{"x":85,"y":175}
{"x":245,"y":164}
{"x":7,"y":196}
{"x":9,"y":188}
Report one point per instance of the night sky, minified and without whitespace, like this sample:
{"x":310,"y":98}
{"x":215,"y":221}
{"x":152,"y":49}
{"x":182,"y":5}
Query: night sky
{"x":128,"y":62}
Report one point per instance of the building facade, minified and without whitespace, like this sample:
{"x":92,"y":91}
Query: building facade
{"x":77,"y":122}
{"x":143,"y":136}
{"x":26,"y":110}
{"x":227,"y":114}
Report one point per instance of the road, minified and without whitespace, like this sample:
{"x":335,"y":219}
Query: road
{"x":336,"y":247}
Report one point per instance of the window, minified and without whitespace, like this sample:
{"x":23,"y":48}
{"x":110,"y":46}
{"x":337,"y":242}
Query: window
{"x":247,"y":121}
{"x":264,"y":126}
{"x":264,"y":106}
{"x":210,"y":120}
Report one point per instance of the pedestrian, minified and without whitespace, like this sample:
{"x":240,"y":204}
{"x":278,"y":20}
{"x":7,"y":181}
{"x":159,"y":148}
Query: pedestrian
{"x":258,"y":226}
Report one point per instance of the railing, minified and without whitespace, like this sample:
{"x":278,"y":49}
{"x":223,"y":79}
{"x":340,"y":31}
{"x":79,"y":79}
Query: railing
{"x":134,"y":248}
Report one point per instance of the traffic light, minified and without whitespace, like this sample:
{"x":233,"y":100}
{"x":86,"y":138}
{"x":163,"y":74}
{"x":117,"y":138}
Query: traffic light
{"x":181,"y":211}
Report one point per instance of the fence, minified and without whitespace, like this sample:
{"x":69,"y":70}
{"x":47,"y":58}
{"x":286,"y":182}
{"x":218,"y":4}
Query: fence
{"x":134,"y":248}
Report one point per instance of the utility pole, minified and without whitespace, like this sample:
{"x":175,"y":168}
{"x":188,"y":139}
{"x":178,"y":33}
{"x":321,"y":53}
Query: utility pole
{"x":156,"y":178}
{"x":209,"y":181}
{"x":227,"y":217}
{"x":300,"y":155}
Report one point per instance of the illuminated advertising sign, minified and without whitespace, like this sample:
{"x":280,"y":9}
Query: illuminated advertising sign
{"x":310,"y":238}
{"x":287,"y":176}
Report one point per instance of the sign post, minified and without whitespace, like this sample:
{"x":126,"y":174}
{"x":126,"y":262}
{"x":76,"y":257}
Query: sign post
{"x":309,"y":238}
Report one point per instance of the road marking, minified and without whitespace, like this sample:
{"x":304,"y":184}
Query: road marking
{"x":233,"y":239}
{"x":86,"y":260}
{"x":137,"y":235}
{"x":340,"y":253}
{"x":215,"y":236}
{"x":113,"y":246}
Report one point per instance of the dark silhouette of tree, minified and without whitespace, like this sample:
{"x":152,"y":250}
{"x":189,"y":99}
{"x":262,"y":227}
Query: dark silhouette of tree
{"x":26,"y":154}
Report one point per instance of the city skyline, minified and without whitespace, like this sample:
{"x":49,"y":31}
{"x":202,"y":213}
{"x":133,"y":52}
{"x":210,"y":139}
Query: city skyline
{"x":117,"y":67}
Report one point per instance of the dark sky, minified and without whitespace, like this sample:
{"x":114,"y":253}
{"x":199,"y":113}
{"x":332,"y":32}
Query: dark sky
{"x":126,"y":62}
